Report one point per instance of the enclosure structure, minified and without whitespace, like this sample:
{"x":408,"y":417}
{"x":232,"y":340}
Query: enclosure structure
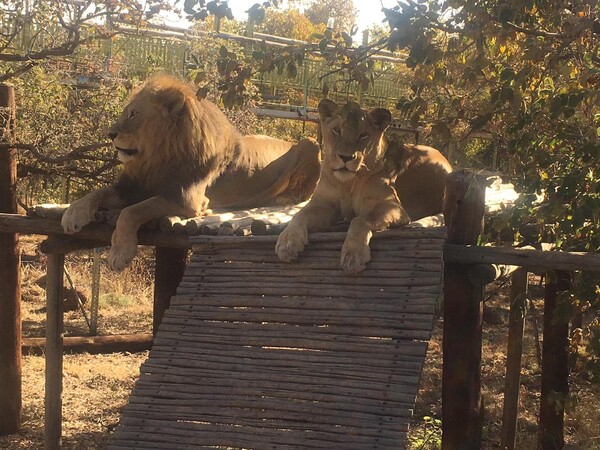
{"x":467,"y":268}
{"x":257,"y":353}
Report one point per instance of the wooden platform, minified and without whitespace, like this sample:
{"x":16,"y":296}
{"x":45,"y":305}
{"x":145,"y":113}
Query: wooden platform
{"x":256,"y":353}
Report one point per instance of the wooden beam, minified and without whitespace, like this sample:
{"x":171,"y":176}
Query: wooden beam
{"x":54,"y":348}
{"x":462,"y":407}
{"x":532,"y":259}
{"x":168,"y":273}
{"x":67,"y":244}
{"x":512,"y":381}
{"x":100,"y":232}
{"x":555,"y":366}
{"x":10,"y":270}
{"x":93,"y":344}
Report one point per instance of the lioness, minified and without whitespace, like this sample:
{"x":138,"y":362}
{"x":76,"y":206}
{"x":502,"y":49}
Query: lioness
{"x":355,"y":184}
{"x":420,"y":174}
{"x":175,"y":148}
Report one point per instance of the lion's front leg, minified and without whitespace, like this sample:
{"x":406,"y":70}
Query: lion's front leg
{"x":124,"y":238}
{"x":355,"y":251}
{"x":292,"y":240}
{"x":81,"y":211}
{"x":315,"y":214}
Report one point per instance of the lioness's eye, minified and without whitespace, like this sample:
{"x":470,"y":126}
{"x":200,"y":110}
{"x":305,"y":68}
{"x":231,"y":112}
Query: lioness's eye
{"x":363,"y":135}
{"x":336,"y":130}
{"x":132,"y":114}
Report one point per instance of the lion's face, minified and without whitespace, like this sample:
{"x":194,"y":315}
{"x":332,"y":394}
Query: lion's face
{"x":352,"y":139}
{"x":146,"y":117}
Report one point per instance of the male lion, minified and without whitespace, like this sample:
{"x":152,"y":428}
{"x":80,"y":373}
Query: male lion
{"x":354,"y":184}
{"x":176,"y":148}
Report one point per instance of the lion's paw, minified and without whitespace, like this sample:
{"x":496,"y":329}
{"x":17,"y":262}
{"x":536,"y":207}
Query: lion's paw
{"x":355,"y":257}
{"x":75,"y":217}
{"x":120,"y":256}
{"x":291,"y":242}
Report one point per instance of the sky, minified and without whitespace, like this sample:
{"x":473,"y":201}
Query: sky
{"x":369,"y":11}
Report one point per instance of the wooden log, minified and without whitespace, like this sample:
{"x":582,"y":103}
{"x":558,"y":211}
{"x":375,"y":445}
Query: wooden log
{"x":526,"y":257}
{"x":484,"y":274}
{"x":226,"y":229}
{"x":462,"y":407}
{"x":512,"y":381}
{"x":54,"y":344}
{"x":67,"y":244}
{"x":555,"y":366}
{"x":10,"y":270}
{"x":100,"y":232}
{"x":169,"y":269}
{"x":258,"y":227}
{"x":131,"y":343}
{"x":166,"y":223}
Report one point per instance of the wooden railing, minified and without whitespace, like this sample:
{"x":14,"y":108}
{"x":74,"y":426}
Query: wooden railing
{"x":468,"y":268}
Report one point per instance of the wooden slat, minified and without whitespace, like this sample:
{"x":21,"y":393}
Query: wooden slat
{"x":256,"y":353}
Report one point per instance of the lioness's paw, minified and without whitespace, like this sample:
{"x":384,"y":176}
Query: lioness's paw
{"x":120,"y":256}
{"x":355,"y":257}
{"x":76,"y":217}
{"x":291,"y":242}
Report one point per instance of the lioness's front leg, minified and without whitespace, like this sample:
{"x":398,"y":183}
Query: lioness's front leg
{"x":292,"y":240}
{"x":124,"y":238}
{"x":355,"y":251}
{"x":81,"y":211}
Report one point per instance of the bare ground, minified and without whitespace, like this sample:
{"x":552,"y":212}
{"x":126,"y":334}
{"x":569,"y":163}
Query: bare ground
{"x":96,"y":387}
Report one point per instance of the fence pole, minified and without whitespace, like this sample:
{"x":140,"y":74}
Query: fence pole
{"x":555,"y":366}
{"x":462,"y":408}
{"x":168,"y":272}
{"x":512,"y":381}
{"x":54,"y":351}
{"x":10,"y":270}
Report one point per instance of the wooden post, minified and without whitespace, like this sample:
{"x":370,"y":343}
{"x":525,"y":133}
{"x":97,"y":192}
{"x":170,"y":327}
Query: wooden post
{"x":462,"y":408}
{"x":512,"y":382}
{"x":54,"y":349}
{"x":168,"y":272}
{"x":10,"y":270}
{"x":555,"y":366}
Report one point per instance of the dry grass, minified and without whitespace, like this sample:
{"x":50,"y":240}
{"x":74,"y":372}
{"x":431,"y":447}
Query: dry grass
{"x":96,"y":387}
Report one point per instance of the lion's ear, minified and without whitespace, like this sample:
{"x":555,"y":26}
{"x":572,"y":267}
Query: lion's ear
{"x":327,"y":108}
{"x":380,"y":118}
{"x":171,"y":99}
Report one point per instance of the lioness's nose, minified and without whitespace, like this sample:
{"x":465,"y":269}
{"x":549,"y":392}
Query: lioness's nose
{"x":346,"y":158}
{"x":112,"y":135}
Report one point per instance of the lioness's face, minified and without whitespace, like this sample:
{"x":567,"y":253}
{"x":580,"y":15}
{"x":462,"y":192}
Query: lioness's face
{"x":351,"y":138}
{"x":147,"y":113}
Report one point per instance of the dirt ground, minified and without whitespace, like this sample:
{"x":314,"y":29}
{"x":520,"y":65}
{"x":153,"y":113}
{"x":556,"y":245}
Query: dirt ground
{"x":96,"y":387}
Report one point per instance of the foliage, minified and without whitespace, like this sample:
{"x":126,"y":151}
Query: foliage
{"x":290,"y":23}
{"x":35,"y":31}
{"x":343,"y":12}
{"x":527,"y":72}
{"x":428,"y":436}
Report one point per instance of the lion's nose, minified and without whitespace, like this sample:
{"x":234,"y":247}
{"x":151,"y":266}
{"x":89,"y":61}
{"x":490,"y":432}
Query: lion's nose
{"x":112,"y":135}
{"x":346,"y":158}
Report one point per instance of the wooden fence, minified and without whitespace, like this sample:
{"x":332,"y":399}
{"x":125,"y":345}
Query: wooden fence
{"x":135,"y":52}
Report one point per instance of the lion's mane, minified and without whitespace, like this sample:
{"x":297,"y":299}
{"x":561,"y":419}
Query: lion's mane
{"x":181,"y":139}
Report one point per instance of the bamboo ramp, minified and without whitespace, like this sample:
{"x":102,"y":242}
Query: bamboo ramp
{"x":256,"y":353}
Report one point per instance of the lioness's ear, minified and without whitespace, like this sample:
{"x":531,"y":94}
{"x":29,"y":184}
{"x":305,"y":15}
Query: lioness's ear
{"x":171,"y":99}
{"x":380,"y":118}
{"x":327,"y":108}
